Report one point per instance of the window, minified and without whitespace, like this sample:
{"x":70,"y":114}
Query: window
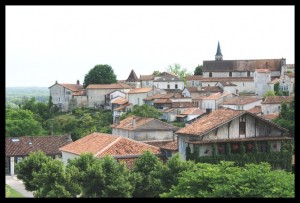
{"x":242,"y":128}
{"x":68,"y":92}
{"x":248,"y":73}
{"x":235,"y":148}
{"x":147,"y":82}
{"x":230,"y":74}
{"x":200,"y":84}
{"x":176,"y":86}
{"x":278,"y":108}
{"x":168,"y":86}
{"x":249,"y":146}
{"x":221,"y":148}
{"x":193,"y":83}
{"x":262,"y":146}
{"x":210,"y":74}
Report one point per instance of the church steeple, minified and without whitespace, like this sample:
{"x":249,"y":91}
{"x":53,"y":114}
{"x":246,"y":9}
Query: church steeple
{"x":219,"y":55}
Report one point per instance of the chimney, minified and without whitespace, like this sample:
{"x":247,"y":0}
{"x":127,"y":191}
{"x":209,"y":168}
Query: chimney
{"x":55,"y":81}
{"x":69,"y":138}
{"x":77,"y":82}
{"x":133,"y":122}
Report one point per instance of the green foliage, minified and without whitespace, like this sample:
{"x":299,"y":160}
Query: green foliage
{"x":148,"y":168}
{"x":180,"y":72}
{"x":286,"y":117}
{"x":198,"y":70}
{"x":10,"y":192}
{"x":100,"y":74}
{"x":156,"y":73}
{"x":52,"y":181}
{"x":143,"y":111}
{"x":179,"y":124}
{"x":269,"y":93}
{"x":228,"y":149}
{"x":20,"y":122}
{"x":26,"y":167}
{"x":229,"y":181}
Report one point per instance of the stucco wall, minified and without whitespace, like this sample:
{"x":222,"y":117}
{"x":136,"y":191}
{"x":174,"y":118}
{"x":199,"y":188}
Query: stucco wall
{"x":144,"y":135}
{"x":164,"y":85}
{"x":67,"y":155}
{"x":270,"y":108}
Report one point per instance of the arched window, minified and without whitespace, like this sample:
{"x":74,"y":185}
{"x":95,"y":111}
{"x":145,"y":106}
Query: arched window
{"x":210,"y":74}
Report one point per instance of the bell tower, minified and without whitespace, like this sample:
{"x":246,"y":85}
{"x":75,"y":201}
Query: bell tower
{"x":218,"y":56}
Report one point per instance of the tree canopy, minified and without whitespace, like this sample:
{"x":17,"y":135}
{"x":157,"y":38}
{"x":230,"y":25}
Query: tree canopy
{"x":198,"y":70}
{"x":286,"y":117}
{"x":143,"y":111}
{"x":100,"y":74}
{"x":179,"y":71}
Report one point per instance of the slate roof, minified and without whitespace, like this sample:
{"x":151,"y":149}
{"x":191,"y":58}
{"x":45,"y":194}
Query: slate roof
{"x":101,"y":144}
{"x":132,"y":77}
{"x":48,"y":144}
{"x":140,"y":90}
{"x":215,"y":119}
{"x":109,"y":86}
{"x":241,"y":65}
{"x":164,"y":144}
{"x":240,"y":101}
{"x":143,"y":124}
{"x":277,"y":99}
{"x":147,"y":77}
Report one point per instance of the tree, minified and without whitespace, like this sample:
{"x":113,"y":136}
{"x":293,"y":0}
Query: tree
{"x":180,"y":72}
{"x":198,"y":70}
{"x":26,"y":167}
{"x":286,"y":117}
{"x":20,"y":122}
{"x":100,"y":74}
{"x":226,"y":180}
{"x":269,"y":93}
{"x":148,"y":166}
{"x":156,"y":73}
{"x":52,"y":181}
{"x":143,"y":111}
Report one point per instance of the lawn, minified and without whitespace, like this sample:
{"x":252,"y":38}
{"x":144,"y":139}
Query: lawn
{"x":9,"y":192}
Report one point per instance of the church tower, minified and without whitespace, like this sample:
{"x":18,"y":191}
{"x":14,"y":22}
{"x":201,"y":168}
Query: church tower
{"x":218,"y":56}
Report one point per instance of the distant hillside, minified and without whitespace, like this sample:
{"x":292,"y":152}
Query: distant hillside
{"x":15,"y":94}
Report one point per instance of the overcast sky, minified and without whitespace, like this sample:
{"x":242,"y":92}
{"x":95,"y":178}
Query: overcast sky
{"x":49,"y":43}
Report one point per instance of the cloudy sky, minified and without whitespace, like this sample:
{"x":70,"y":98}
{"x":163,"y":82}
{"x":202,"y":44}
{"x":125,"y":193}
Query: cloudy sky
{"x":49,"y":43}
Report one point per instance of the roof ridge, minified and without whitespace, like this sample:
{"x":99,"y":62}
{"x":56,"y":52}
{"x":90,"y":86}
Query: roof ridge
{"x":108,"y":146}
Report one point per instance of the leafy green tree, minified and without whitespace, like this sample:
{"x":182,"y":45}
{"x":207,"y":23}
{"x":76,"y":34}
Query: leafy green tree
{"x":143,"y":111}
{"x":226,"y":180}
{"x":286,"y":117}
{"x":269,"y":93}
{"x":26,"y":167}
{"x":100,"y":74}
{"x":52,"y":181}
{"x":148,"y":167}
{"x":156,"y":73}
{"x":20,"y":122}
{"x":180,"y":72}
{"x":84,"y":126}
{"x":198,"y":70}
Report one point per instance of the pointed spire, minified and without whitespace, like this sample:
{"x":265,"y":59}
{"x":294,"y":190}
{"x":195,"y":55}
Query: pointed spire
{"x":132,"y":77}
{"x":219,"y":55}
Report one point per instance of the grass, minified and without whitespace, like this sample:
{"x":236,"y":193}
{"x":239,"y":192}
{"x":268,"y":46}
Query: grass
{"x":9,"y":192}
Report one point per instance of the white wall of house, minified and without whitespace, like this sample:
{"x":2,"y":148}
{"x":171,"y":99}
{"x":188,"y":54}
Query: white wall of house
{"x":164,"y":85}
{"x":243,"y":107}
{"x":60,"y":96}
{"x":270,"y":108}
{"x":261,"y":81}
{"x":68,"y":155}
{"x":97,"y":96}
{"x":191,"y":116}
{"x":117,"y":94}
{"x":186,"y":99}
{"x":186,"y":93}
{"x":137,"y":98}
{"x":81,"y":101}
{"x":147,"y":83}
{"x":193,"y":83}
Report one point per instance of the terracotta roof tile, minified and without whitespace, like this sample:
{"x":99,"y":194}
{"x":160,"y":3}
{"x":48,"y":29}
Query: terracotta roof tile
{"x":120,"y":100}
{"x":277,"y":99}
{"x":183,"y":104}
{"x":140,"y":90}
{"x":255,"y":110}
{"x":109,"y":86}
{"x":146,"y":77}
{"x":164,"y":144}
{"x":241,"y":101}
{"x":143,"y":124}
{"x":122,"y":107}
{"x":48,"y":144}
{"x":291,"y":75}
{"x":162,"y":101}
{"x":210,"y":121}
{"x":270,"y":116}
{"x":192,"y":111}
{"x":163,"y":96}
{"x":79,"y":93}
{"x":73,"y":87}
{"x":274,"y":81}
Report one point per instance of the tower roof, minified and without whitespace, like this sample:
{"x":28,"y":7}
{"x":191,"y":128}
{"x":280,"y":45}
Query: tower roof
{"x":219,"y":53}
{"x":132,"y":77}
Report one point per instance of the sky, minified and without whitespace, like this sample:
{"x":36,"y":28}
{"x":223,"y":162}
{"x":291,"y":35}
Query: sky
{"x":45,"y":44}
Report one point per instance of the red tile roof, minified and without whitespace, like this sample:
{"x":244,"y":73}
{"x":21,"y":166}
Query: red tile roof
{"x":48,"y":144}
{"x":101,"y":144}
{"x":215,"y":119}
{"x":146,"y":77}
{"x":277,"y":99}
{"x":120,"y":100}
{"x":241,"y":101}
{"x":164,"y":144}
{"x":255,"y":110}
{"x":151,"y":124}
{"x":122,"y":107}
{"x":72,"y":87}
{"x":192,"y":111}
{"x":109,"y":86}
{"x":140,"y":90}
{"x":162,"y":101}
{"x":270,"y":116}
{"x":183,"y":104}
